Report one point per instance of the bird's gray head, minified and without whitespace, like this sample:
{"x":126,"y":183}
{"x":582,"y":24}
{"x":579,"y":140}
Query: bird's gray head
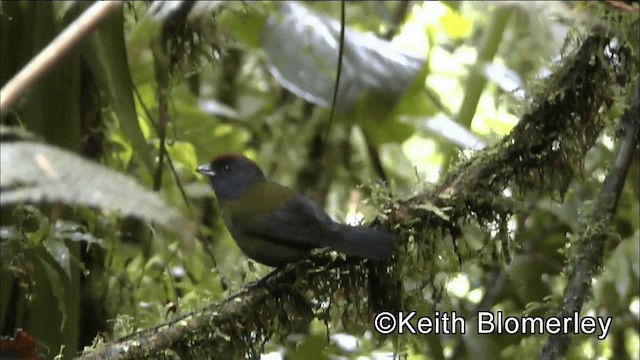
{"x":231,"y":175}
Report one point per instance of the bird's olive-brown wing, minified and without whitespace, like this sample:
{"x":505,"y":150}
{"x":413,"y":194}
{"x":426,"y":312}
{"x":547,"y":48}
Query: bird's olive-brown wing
{"x":297,"y":221}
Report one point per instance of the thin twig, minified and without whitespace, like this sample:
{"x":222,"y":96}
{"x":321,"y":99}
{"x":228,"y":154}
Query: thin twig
{"x":343,"y":25}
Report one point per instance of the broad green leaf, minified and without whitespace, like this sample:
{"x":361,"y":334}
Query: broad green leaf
{"x":33,"y":172}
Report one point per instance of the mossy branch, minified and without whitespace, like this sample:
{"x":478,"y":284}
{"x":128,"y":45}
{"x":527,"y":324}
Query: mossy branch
{"x":244,"y":322}
{"x":587,"y":249}
{"x":563,"y":123}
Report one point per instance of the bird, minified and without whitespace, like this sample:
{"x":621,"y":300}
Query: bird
{"x":274,"y":225}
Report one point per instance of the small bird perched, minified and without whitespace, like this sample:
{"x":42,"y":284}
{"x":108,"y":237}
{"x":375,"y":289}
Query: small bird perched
{"x":275,"y":226}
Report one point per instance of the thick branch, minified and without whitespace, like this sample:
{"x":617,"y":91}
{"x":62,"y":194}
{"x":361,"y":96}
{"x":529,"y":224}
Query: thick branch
{"x":587,"y":251}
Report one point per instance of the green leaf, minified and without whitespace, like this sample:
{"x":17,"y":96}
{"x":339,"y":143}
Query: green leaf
{"x":183,"y":153}
{"x":57,"y":287}
{"x":33,"y":172}
{"x":60,"y":253}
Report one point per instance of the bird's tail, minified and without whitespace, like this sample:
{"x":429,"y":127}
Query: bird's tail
{"x":364,"y":242}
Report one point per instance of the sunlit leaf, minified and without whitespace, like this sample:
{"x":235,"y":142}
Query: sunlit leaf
{"x":455,"y":25}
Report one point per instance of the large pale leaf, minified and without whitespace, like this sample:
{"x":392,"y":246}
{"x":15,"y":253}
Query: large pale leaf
{"x":34,"y":172}
{"x":302,"y":52}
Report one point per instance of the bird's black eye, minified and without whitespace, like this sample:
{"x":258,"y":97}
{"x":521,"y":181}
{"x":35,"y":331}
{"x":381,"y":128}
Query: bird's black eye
{"x":226,"y":168}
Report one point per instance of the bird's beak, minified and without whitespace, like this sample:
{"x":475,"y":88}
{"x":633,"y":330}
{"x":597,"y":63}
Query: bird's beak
{"x":206,"y":170}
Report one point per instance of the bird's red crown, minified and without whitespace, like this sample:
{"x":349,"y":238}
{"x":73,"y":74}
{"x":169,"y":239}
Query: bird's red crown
{"x":229,"y":156}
